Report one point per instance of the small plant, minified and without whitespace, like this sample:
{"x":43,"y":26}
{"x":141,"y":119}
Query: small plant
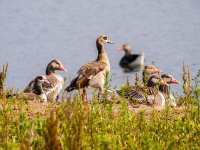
{"x":187,"y":85}
{"x":74,"y":125}
{"x":3,"y":75}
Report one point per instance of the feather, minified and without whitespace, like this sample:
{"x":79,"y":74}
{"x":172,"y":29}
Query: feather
{"x":85,"y":74}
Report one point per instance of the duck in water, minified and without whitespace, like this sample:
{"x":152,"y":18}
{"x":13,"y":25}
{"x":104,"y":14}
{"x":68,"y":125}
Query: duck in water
{"x":131,"y":62}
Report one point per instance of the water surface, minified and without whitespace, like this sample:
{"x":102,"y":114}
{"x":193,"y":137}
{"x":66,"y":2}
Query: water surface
{"x":34,"y":32}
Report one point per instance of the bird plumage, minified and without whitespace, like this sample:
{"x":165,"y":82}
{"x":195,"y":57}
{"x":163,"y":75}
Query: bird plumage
{"x":56,"y":80}
{"x":131,"y":62}
{"x":35,"y":89}
{"x":93,"y":73}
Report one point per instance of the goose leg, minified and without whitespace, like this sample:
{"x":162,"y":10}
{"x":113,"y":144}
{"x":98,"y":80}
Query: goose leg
{"x":100,"y":93}
{"x":83,"y":95}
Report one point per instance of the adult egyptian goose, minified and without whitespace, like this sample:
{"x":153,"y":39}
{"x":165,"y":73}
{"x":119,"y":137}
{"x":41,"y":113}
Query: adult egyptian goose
{"x":130,"y":62}
{"x":165,"y":88}
{"x":93,"y":74}
{"x":35,"y":91}
{"x":56,"y":80}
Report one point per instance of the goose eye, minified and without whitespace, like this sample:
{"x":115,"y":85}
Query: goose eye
{"x":105,"y":38}
{"x":40,"y":78}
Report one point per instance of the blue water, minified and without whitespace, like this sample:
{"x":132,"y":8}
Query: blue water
{"x":34,"y":32}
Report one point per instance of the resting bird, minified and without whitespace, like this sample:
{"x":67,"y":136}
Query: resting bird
{"x":143,"y":94}
{"x":131,"y":62}
{"x":93,"y":74}
{"x":36,"y":91}
{"x":56,"y":80}
{"x":148,"y":71}
{"x":155,"y":93}
{"x":165,"y":89}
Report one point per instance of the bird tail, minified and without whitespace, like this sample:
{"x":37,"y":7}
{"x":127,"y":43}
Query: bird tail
{"x":69,"y":88}
{"x":72,"y":86}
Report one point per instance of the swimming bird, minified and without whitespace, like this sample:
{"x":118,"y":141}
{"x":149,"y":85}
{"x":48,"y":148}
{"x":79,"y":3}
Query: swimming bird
{"x":36,"y":91}
{"x":56,"y":80}
{"x":131,"y":62}
{"x":93,"y":74}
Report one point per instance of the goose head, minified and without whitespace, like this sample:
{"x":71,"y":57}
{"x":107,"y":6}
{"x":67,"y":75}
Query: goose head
{"x":155,"y":80}
{"x":169,"y":79}
{"x":126,"y":48}
{"x":39,"y":81}
{"x":102,"y":40}
{"x":151,"y":69}
{"x":148,"y":71}
{"x":53,"y":66}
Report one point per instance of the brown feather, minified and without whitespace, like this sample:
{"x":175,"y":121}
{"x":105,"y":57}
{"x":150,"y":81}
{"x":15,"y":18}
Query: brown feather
{"x":85,"y":73}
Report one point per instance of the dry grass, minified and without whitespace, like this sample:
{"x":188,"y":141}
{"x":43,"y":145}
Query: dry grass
{"x":113,"y":124}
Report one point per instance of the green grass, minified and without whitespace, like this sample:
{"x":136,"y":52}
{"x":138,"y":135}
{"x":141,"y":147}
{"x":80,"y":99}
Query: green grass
{"x":74,"y":125}
{"x":101,"y":125}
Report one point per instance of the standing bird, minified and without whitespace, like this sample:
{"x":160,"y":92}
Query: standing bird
{"x":56,"y":80}
{"x":131,"y":62}
{"x":36,"y":91}
{"x":93,"y":74}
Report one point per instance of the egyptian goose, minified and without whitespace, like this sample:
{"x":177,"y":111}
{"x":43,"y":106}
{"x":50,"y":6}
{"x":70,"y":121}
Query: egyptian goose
{"x":56,"y":80}
{"x":165,"y":88}
{"x":131,"y":62}
{"x":35,"y":91}
{"x":93,"y":74}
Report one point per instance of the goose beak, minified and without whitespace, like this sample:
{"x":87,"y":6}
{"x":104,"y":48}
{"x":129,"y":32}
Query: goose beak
{"x":62,"y":68}
{"x":110,"y":41}
{"x":174,"y":81}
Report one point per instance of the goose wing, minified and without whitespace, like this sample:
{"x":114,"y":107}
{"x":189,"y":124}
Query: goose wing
{"x":53,"y":80}
{"x":29,"y":87}
{"x":134,"y":93}
{"x":127,"y":60}
{"x":85,"y":73}
{"x":137,"y":95}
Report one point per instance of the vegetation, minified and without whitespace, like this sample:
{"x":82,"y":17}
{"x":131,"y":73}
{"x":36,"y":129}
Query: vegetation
{"x":74,"y":125}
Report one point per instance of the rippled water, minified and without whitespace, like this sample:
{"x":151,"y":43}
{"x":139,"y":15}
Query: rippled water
{"x":34,"y":32}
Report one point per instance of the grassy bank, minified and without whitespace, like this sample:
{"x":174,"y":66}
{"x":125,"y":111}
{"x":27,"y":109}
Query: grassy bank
{"x":107,"y":125}
{"x":73,"y":125}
